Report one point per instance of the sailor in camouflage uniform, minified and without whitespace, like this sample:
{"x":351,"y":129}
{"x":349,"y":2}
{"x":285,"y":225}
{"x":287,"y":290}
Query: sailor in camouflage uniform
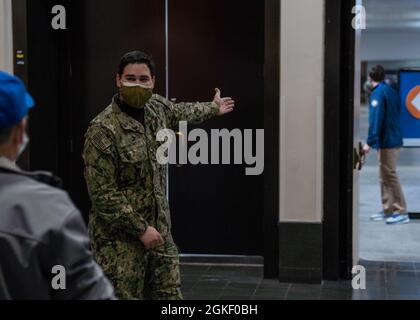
{"x":129,"y":222}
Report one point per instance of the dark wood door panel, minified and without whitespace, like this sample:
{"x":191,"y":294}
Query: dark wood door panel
{"x":216,"y":208}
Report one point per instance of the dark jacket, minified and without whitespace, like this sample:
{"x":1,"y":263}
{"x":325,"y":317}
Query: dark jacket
{"x":384,"y":118}
{"x":40,"y":228}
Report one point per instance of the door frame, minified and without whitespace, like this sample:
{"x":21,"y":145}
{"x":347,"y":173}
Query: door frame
{"x":339,"y":89}
{"x":272,"y":138}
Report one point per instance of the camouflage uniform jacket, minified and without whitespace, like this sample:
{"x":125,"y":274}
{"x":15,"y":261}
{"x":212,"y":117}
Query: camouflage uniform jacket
{"x":127,"y":186}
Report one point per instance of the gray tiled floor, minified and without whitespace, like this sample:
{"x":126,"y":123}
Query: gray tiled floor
{"x":384,"y":281}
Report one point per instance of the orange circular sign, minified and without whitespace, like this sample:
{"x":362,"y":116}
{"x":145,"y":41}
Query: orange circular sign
{"x":413,"y":102}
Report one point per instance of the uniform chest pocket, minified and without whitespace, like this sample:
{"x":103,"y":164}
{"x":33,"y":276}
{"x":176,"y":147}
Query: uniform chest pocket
{"x":133,"y":156}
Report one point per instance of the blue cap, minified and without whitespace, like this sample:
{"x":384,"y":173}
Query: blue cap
{"x":15,"y":101}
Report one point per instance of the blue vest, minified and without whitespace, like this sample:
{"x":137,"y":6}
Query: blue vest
{"x":384,"y":118}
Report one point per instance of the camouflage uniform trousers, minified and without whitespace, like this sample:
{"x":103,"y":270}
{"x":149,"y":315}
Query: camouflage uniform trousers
{"x":137,"y":273}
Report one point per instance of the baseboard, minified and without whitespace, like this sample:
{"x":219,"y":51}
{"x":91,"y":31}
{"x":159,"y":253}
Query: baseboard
{"x":300,"y":252}
{"x":205,"y":259}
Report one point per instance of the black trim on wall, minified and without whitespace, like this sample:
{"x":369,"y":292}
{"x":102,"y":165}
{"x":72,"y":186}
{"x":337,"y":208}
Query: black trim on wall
{"x":300,"y":252}
{"x":272,"y":137}
{"x":348,"y":86}
{"x":19,"y":39}
{"x":338,"y":139}
{"x":20,"y":65}
{"x":48,"y":80}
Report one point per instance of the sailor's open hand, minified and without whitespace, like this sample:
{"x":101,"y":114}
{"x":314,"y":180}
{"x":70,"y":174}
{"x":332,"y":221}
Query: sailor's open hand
{"x":226,"y":105}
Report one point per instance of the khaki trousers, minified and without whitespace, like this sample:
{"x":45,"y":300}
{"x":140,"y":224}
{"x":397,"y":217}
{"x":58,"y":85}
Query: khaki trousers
{"x":393,"y":200}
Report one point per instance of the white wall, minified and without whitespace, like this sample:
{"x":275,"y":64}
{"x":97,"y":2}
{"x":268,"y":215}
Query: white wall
{"x":388,"y":44}
{"x":301,"y":114}
{"x":6,"y":36}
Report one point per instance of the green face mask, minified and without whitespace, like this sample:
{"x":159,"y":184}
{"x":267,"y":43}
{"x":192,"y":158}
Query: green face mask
{"x":135,"y":95}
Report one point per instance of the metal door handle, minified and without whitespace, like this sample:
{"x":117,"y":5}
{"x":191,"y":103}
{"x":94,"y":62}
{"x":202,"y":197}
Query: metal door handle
{"x":359,"y":157}
{"x":356,"y":158}
{"x":362,"y":156}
